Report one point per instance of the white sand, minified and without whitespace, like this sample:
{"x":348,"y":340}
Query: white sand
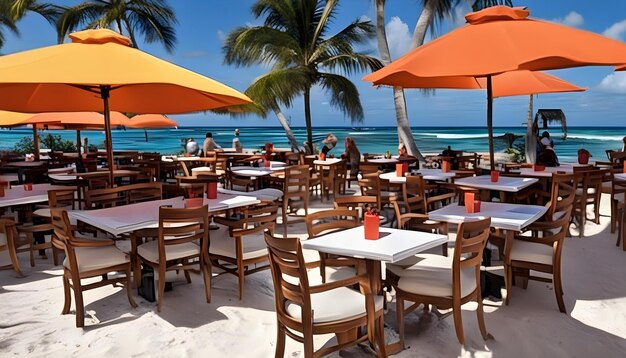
{"x":594,"y":272}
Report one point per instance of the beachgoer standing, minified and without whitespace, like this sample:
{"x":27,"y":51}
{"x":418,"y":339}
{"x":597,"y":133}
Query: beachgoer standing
{"x":352,"y":155}
{"x":237,"y":143}
{"x":209,"y":144}
{"x":329,"y":143}
{"x":624,"y":147}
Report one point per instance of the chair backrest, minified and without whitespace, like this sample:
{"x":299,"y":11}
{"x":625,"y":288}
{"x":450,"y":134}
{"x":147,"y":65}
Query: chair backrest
{"x":470,"y":242}
{"x":414,"y":194}
{"x":65,"y":197}
{"x":370,"y":186}
{"x":330,"y":220}
{"x":296,"y":181}
{"x":181,"y":225}
{"x":141,"y":192}
{"x":367,"y":168}
{"x":563,"y":193}
{"x":289,"y":276}
{"x":123,"y":195}
{"x":258,"y":219}
{"x":618,"y":188}
{"x":63,"y":236}
{"x":294,"y":158}
{"x":360,"y":203}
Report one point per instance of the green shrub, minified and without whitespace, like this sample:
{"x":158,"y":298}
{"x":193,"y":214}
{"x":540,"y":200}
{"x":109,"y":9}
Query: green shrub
{"x":50,"y":141}
{"x":24,"y":146}
{"x":517,"y":153}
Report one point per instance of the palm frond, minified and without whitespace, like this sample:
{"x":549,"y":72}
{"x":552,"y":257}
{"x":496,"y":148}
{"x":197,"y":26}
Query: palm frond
{"x":246,"y":46}
{"x":343,"y":95}
{"x":278,"y":87}
{"x":351,"y":63}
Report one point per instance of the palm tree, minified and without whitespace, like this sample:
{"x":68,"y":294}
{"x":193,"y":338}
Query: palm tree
{"x":154,"y":19}
{"x":19,"y":8}
{"x":6,"y":22}
{"x":293,"y":39}
{"x":481,"y":4}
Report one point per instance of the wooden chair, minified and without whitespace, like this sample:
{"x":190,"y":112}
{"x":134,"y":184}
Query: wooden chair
{"x":295,"y":186}
{"x":444,"y":282}
{"x":123,"y":195}
{"x":360,"y":203}
{"x":235,"y":182}
{"x":589,"y":192}
{"x":326,"y":221}
{"x":11,"y":243}
{"x":618,"y":198}
{"x":539,"y":252}
{"x":243,"y":245}
{"x":303,"y":311}
{"x":370,"y":186}
{"x":419,"y":222}
{"x":183,"y":237}
{"x":87,"y":259}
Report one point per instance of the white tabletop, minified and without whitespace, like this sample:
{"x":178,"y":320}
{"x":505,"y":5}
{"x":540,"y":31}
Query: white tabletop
{"x":127,"y":218}
{"x":503,"y":216}
{"x":509,"y":184}
{"x":620,"y":176}
{"x":394,"y":244}
{"x":427,"y":174}
{"x":18,"y":196}
{"x":328,"y":161}
{"x":254,"y":171}
{"x":382,"y":160}
{"x":8,"y":177}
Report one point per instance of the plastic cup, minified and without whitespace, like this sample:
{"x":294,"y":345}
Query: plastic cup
{"x":211,"y":190}
{"x":476,"y":206}
{"x":371,"y":224}
{"x":469,"y":202}
{"x":28,"y":186}
{"x":495,"y":176}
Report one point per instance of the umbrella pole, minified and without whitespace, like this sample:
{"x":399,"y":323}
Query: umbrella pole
{"x":104,"y":93}
{"x":490,"y":122}
{"x":36,"y":141}
{"x":80,"y":167}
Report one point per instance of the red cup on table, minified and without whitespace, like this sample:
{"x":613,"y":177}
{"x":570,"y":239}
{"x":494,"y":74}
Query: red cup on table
{"x":371,"y":224}
{"x":399,"y":170}
{"x":495,"y":176}
{"x":445,"y":166}
{"x":322,"y":156}
{"x":624,"y":166}
{"x":469,"y":199}
{"x":539,"y":168}
{"x":211,"y":190}
{"x":28,"y":186}
{"x":476,"y":206}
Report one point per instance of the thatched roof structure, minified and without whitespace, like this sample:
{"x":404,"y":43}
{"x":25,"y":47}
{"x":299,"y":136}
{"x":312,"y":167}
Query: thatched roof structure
{"x":550,"y":116}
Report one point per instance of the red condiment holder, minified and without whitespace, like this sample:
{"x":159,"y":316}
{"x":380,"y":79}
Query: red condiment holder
{"x":469,"y":199}
{"x":322,"y":156}
{"x":624,"y":166}
{"x":495,"y":176}
{"x":371,"y":224}
{"x":28,"y":186}
{"x":476,"y":206}
{"x":211,"y":190}
{"x":401,"y":168}
{"x":1,"y":191}
{"x":193,"y":203}
{"x":539,"y":168}
{"x":445,"y":166}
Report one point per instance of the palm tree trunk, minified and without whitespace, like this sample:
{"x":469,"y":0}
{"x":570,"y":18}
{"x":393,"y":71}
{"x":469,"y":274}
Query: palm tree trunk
{"x":288,"y":131}
{"x":425,"y":20}
{"x":307,"y":117}
{"x":404,"y":129}
{"x":530,"y":141}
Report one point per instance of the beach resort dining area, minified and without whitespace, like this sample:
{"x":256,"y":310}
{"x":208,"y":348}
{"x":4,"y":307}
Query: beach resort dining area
{"x":227,"y":253}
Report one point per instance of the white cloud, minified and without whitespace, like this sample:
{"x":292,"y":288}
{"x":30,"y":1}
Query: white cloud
{"x":221,"y":35}
{"x":398,"y":37}
{"x":614,"y":83}
{"x":616,"y":30}
{"x":573,"y":19}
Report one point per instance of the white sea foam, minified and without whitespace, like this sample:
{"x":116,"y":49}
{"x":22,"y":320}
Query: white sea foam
{"x":595,"y":137}
{"x":455,"y":136}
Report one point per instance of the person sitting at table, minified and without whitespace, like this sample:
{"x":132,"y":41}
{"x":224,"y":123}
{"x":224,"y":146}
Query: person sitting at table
{"x":403,"y":153}
{"x":548,"y":156}
{"x":237,"y":143}
{"x":209,"y":144}
{"x":192,"y":148}
{"x":352,"y":155}
{"x":329,"y":143}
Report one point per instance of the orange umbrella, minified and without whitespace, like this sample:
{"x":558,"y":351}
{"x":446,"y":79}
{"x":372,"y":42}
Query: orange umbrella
{"x":501,"y":39}
{"x":151,"y":121}
{"x":99,"y":71}
{"x":512,"y":83}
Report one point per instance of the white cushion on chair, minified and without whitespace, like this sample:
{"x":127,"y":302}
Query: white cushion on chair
{"x":340,"y":304}
{"x":150,"y":251}
{"x":222,"y":244}
{"x":431,"y":275}
{"x":3,"y":239}
{"x":94,"y":258}
{"x":531,"y":252}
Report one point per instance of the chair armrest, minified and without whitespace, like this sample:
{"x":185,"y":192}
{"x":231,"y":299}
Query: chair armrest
{"x":34,"y":228}
{"x":91,"y":243}
{"x":361,"y":279}
{"x":438,"y":198}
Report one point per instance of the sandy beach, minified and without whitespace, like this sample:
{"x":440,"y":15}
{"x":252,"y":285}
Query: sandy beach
{"x":531,"y":326}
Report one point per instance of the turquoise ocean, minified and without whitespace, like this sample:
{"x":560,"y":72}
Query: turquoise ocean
{"x":368,"y":140}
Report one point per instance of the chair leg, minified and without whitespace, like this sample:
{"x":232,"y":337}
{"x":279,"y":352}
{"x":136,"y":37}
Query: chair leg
{"x":380,"y":346}
{"x":558,"y":289}
{"x":400,"y":318}
{"x":280,"y":340}
{"x":285,"y":206}
{"x":137,"y":273}
{"x":161,"y":288}
{"x":80,"y":308}
{"x":68,"y":297}
{"x":480,"y":316}
{"x":186,"y":272}
{"x":458,"y":321}
{"x":129,"y":290}
{"x":508,"y":280}
{"x":241,"y":276}
{"x":206,"y":275}
{"x":613,"y":215}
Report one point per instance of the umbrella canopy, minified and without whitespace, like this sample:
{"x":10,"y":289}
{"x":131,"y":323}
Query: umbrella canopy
{"x":151,"y":121}
{"x":512,"y":83}
{"x":74,"y":120}
{"x":99,"y":71}
{"x":501,"y":39}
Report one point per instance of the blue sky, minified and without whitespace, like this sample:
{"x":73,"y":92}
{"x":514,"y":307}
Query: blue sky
{"x":203,"y":24}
